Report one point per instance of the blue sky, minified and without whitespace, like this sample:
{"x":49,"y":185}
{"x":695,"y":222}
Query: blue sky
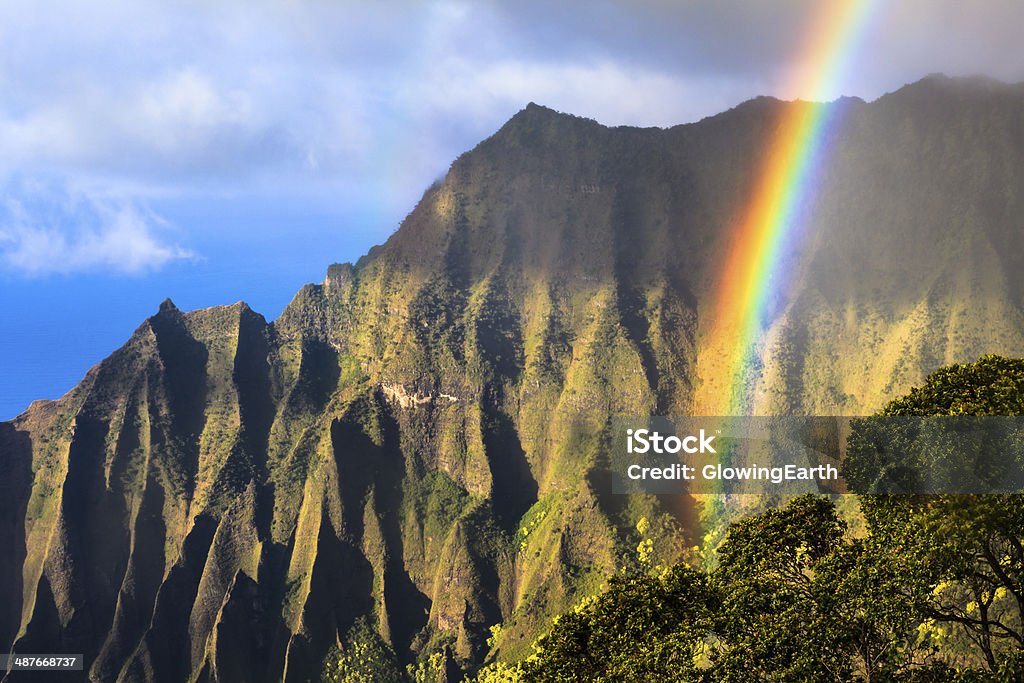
{"x":218,"y":151}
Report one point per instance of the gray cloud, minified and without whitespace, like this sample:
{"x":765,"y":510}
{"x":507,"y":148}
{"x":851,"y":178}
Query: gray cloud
{"x":228,"y":89}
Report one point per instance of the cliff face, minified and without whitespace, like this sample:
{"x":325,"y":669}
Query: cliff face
{"x":418,"y":439}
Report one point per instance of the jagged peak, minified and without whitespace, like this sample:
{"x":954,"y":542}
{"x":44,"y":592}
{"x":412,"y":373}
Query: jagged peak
{"x":235,"y":311}
{"x":240,"y":307}
{"x":339,"y":269}
{"x":534,"y":114}
{"x":534,"y":110}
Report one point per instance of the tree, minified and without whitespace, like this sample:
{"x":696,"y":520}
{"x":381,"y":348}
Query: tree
{"x":642,"y":628}
{"x":960,"y":557}
{"x":802,"y":602}
{"x":363,"y":657}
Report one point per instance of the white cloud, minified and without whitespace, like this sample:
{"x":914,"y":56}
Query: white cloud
{"x":48,"y":234}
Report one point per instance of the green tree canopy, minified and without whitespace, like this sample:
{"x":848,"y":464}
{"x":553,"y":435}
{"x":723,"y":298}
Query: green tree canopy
{"x":642,"y":628}
{"x":960,"y":556}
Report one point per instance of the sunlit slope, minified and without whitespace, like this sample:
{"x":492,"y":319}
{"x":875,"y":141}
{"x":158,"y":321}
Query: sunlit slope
{"x":914,"y":256}
{"x":420,"y":438}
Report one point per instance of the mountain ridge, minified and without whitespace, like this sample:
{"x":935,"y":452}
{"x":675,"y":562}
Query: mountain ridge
{"x":419,"y":439}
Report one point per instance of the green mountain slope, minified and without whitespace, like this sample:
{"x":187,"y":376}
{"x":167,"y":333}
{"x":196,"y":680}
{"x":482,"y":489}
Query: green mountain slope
{"x":418,"y":439}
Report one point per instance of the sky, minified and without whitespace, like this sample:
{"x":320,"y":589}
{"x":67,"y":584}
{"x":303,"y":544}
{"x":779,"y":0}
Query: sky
{"x":220,"y":151}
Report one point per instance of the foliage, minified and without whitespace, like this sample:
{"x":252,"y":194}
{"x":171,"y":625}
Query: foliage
{"x":429,"y":669}
{"x":991,"y":386}
{"x":642,"y":628}
{"x":792,"y":598}
{"x":498,"y":672}
{"x":802,"y":602}
{"x":363,"y":658}
{"x":962,"y":555}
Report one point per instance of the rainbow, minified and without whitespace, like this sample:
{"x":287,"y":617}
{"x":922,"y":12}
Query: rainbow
{"x":753,"y":274}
